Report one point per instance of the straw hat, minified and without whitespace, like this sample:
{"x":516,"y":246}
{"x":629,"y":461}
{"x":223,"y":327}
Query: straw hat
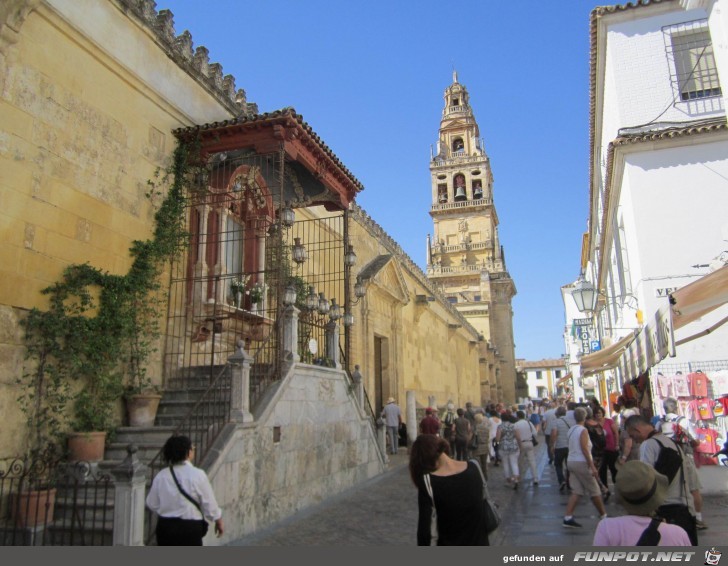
{"x":390,"y":400}
{"x":640,"y":489}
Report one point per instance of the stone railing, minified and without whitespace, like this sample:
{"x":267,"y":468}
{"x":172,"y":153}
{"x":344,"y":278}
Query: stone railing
{"x":461,"y":204}
{"x":441,"y":249}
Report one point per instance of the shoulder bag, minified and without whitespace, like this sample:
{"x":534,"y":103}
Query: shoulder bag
{"x":650,"y":536}
{"x":490,"y":509}
{"x":204,"y":526}
{"x":433,"y":517}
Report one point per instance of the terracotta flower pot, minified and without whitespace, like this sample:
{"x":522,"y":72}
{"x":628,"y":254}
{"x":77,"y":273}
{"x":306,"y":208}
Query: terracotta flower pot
{"x":33,"y":508}
{"x":142,"y":409}
{"x":86,"y":446}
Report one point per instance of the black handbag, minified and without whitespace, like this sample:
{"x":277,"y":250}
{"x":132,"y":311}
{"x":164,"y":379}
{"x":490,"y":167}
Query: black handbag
{"x":490,"y":509}
{"x":204,"y":525}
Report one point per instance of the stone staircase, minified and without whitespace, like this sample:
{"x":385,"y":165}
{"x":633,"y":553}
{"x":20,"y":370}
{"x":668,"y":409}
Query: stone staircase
{"x":178,"y":399}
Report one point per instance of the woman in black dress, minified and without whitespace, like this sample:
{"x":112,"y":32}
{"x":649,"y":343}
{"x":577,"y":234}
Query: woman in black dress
{"x":457,"y":490}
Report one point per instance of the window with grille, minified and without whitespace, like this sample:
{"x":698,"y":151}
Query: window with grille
{"x":693,"y":71}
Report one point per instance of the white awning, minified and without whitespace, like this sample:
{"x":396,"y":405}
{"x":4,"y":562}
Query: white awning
{"x":607,"y":358}
{"x":699,"y":297}
{"x":656,"y":340}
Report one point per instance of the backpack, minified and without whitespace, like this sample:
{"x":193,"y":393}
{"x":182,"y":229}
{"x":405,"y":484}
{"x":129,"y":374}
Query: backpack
{"x":669,"y":462}
{"x":449,"y":418}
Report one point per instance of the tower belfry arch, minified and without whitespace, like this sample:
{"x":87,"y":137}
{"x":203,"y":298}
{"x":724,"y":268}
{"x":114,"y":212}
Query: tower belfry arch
{"x":465,"y":258}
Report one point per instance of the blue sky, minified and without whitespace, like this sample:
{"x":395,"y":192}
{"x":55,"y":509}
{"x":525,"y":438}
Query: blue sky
{"x":369,"y":78}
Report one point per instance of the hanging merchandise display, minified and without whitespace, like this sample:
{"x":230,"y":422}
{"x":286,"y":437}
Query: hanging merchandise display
{"x":702,"y":399}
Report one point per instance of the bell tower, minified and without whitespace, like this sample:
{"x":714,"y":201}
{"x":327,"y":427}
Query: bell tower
{"x":464,"y":256}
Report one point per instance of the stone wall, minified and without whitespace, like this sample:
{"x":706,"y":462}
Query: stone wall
{"x":310,"y":442}
{"x":89,"y":95}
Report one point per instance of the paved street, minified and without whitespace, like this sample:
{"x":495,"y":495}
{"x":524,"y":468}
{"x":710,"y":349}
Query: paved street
{"x":383,"y":512}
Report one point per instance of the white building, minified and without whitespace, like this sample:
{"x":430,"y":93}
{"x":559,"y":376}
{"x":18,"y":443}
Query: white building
{"x":658,"y":172}
{"x":656,"y":246}
{"x":542,"y":376}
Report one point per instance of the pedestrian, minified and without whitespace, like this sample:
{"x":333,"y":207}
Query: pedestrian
{"x":448,"y":422}
{"x":628,"y":449}
{"x":583,"y":474}
{"x":527,"y":433}
{"x":559,"y":439}
{"x":641,"y":491}
{"x":482,"y":432}
{"x":681,"y":430}
{"x":182,"y":497}
{"x":611,"y":448}
{"x":463,"y":431}
{"x":598,"y":438}
{"x":666,"y":457}
{"x":430,"y":424}
{"x":392,"y":419}
{"x":509,"y":448}
{"x":456,"y":493}
{"x":495,"y":422}
{"x":549,"y":417}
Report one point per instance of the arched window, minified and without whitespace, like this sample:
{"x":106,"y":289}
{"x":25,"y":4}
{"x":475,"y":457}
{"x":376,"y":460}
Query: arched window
{"x":458,"y":146}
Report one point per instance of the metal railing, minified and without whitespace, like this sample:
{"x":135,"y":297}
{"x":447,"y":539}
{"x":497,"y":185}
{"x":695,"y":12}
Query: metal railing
{"x":50,"y":502}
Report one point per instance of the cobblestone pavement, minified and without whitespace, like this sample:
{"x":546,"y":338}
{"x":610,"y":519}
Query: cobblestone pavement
{"x":383,"y":512}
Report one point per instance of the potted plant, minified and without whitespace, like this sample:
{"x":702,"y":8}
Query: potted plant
{"x":43,"y":397}
{"x":256,"y":293}
{"x":237,"y":288}
{"x":140,"y":395}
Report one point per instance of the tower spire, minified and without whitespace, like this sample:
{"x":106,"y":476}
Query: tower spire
{"x":454,"y":75}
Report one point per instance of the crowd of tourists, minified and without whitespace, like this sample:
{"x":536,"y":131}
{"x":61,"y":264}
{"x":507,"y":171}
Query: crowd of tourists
{"x":647,"y":464}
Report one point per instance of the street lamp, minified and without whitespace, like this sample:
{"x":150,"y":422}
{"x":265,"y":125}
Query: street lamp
{"x":289,"y":295}
{"x":323,"y":304}
{"x":299,"y":251}
{"x":350,"y":256}
{"x":288,"y":217}
{"x":585,"y":295}
{"x":312,"y":300}
{"x":334,"y":311}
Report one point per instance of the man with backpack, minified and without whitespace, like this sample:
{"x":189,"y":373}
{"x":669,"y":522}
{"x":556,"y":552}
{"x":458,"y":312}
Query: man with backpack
{"x":677,"y":428}
{"x":667,"y":458}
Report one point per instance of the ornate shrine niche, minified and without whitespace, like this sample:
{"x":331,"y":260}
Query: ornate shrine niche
{"x":228,"y":229}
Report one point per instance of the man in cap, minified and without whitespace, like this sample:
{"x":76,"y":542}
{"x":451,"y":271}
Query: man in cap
{"x":641,"y":491}
{"x":392,"y":419}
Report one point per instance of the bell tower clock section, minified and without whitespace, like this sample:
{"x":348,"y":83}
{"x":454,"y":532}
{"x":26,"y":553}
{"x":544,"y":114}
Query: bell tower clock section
{"x":464,"y":256}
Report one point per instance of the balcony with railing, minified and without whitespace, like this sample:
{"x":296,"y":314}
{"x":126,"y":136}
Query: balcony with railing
{"x":464,"y":246}
{"x":459,"y":205}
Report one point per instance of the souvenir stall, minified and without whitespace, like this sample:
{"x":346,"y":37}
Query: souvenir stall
{"x":702,"y":399}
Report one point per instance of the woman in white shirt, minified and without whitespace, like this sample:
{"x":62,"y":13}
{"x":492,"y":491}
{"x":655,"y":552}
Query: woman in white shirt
{"x":182,"y":518}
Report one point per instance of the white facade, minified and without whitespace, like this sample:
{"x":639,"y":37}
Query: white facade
{"x":541,"y":376}
{"x":659,"y":171}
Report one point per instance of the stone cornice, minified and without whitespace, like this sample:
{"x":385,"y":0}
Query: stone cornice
{"x":708,"y":127}
{"x":179,"y":49}
{"x":377,"y":232}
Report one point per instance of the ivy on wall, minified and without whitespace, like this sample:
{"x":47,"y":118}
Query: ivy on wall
{"x":101,"y":328}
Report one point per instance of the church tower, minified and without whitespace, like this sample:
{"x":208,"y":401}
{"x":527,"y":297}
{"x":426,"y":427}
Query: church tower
{"x":464,"y":256}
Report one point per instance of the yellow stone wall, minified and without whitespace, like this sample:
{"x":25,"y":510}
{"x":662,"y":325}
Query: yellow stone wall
{"x":432,"y":349}
{"x":81,"y":132}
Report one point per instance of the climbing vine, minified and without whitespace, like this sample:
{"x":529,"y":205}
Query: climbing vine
{"x":101,"y":328}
